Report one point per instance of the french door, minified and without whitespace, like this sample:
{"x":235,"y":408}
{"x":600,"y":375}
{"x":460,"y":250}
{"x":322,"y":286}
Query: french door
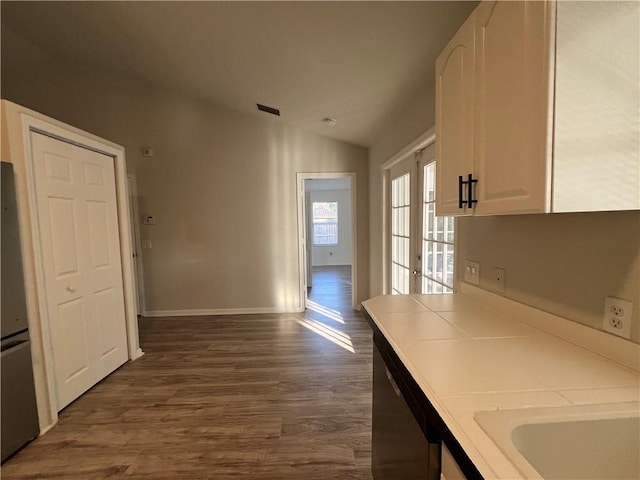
{"x":403,"y":225}
{"x":421,"y":244}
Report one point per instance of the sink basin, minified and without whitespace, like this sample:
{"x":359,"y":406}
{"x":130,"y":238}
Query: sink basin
{"x":577,"y":442}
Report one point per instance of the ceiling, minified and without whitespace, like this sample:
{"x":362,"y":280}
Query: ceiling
{"x":357,"y":62}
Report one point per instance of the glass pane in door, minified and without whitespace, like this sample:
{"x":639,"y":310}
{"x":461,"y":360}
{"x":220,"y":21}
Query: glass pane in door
{"x":437,"y":240}
{"x":400,"y":234}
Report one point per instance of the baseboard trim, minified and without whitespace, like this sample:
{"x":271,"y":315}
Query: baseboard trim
{"x":47,"y":428}
{"x":214,"y":311}
{"x":136,"y":355}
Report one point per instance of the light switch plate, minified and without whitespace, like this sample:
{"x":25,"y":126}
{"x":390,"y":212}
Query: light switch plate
{"x":472,"y":272}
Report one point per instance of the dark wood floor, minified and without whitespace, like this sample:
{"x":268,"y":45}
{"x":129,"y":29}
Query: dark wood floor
{"x":243,"y":397}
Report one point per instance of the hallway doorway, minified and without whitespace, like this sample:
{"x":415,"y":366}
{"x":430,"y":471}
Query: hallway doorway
{"x":327,"y":243}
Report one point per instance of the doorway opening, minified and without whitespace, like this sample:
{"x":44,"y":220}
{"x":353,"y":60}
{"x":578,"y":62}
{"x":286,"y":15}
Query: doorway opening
{"x":327,"y":239}
{"x":328,"y":254}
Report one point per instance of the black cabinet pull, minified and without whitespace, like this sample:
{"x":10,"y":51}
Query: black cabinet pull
{"x":470,"y":181}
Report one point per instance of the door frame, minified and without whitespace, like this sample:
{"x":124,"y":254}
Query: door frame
{"x":134,"y":212}
{"x":19,"y":122}
{"x":423,"y":141}
{"x":302,"y":234}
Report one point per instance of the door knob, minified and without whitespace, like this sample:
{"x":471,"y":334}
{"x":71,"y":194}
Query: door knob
{"x":416,"y":272}
{"x":71,"y":288}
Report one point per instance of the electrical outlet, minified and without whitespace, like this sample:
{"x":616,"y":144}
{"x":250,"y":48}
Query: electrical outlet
{"x":617,"y":316}
{"x":499,"y":278}
{"x":472,"y":272}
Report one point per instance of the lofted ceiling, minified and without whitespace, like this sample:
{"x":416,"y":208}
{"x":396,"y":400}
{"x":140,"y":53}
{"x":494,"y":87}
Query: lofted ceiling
{"x":356,"y":62}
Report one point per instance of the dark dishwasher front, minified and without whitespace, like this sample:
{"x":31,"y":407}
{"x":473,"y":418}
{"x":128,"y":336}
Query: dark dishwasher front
{"x":399,"y":449}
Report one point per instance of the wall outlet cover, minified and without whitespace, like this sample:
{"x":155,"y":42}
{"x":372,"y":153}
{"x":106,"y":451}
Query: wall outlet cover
{"x":617,"y":316}
{"x":472,"y":272}
{"x":499,"y":279}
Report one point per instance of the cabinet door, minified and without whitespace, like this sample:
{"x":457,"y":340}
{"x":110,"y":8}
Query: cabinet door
{"x":512,"y":155}
{"x":597,"y":141}
{"x":454,"y":118}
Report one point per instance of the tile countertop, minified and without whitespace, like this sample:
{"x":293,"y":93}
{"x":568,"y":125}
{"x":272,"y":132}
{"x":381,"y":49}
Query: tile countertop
{"x":468,"y":356}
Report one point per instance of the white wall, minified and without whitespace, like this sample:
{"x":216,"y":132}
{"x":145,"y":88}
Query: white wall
{"x":222,"y":185}
{"x":339,"y":254}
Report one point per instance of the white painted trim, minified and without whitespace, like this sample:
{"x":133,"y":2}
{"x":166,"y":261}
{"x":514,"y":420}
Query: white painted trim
{"x":422,"y":141}
{"x":614,"y":348}
{"x":386,"y":230}
{"x":214,"y":311}
{"x":46,"y":429}
{"x":138,"y":240}
{"x":300,"y":192}
{"x":18,"y":123}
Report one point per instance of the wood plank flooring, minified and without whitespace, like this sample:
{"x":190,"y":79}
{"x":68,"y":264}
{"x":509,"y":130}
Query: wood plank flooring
{"x":254,"y":396}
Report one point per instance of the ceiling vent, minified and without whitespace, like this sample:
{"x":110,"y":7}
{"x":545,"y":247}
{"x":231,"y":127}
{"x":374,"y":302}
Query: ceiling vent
{"x":271,"y":110}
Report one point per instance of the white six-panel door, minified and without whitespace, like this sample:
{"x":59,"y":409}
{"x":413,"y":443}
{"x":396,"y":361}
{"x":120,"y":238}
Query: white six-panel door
{"x":78,"y":221}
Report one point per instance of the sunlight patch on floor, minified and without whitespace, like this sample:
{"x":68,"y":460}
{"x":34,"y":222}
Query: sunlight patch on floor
{"x":324,"y":311}
{"x":336,"y":336}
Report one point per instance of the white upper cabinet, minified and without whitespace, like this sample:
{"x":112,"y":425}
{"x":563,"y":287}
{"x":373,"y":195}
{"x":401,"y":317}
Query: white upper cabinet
{"x":554,"y":100}
{"x":454,"y":117}
{"x":512,"y":105}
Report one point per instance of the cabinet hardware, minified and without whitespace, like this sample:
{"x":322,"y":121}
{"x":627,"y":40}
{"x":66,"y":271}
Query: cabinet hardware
{"x":394,"y":385}
{"x":470,"y":181}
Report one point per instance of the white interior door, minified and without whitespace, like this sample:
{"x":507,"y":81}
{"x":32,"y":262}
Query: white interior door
{"x":78,"y":223}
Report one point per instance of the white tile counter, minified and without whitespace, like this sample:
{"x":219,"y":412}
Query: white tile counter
{"x":468,"y":356}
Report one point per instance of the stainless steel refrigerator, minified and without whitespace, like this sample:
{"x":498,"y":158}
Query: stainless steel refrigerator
{"x":18,"y":401}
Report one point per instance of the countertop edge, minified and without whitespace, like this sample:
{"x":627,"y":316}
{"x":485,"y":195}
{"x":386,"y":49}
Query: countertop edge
{"x":497,"y":465}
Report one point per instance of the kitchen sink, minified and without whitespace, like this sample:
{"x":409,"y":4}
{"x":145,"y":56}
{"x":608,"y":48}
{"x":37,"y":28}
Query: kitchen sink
{"x":575,"y":442}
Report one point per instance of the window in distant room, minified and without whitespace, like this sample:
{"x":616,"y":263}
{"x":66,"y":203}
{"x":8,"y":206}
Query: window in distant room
{"x":325,"y":223}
